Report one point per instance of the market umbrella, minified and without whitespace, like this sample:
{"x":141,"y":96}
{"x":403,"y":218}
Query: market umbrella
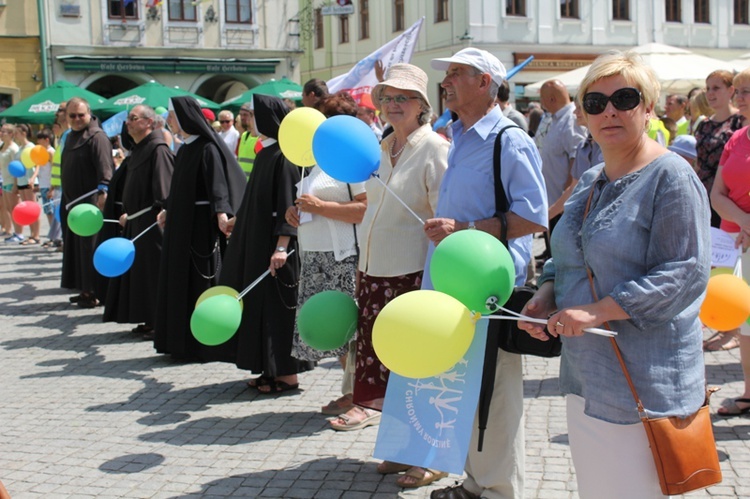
{"x":42,"y":106}
{"x":677,"y":69}
{"x":283,"y":89}
{"x":152,"y":94}
{"x":741,"y":62}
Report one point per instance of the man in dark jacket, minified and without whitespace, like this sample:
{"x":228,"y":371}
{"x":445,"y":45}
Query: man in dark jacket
{"x":86,"y":168}
{"x":131,"y":298}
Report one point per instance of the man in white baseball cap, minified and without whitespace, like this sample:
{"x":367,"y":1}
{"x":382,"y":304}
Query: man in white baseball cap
{"x":476,"y":58}
{"x":467,"y":200}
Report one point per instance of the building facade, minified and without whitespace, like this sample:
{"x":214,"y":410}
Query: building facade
{"x":20,"y":59}
{"x":561,"y":34}
{"x":214,"y":48}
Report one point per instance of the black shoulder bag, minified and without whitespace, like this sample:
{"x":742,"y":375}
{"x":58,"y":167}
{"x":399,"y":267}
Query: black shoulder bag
{"x":502,"y":333}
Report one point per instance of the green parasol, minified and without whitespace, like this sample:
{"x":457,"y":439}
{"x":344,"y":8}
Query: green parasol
{"x":283,"y":89}
{"x":42,"y":106}
{"x":152,"y":94}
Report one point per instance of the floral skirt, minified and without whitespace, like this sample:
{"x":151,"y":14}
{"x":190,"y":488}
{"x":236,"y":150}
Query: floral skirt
{"x":321,"y":272}
{"x":371,"y":376}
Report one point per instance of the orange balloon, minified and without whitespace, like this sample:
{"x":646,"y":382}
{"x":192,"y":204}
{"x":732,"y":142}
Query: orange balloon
{"x":727,"y":302}
{"x":39,"y":155}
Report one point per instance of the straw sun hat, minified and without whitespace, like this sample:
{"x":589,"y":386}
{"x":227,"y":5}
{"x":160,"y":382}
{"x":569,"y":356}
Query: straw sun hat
{"x":403,"y":77}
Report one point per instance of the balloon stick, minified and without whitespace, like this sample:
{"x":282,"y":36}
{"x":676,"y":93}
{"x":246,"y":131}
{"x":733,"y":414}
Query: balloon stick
{"x":516,"y":316}
{"x":145,"y":230}
{"x":255,"y":282}
{"x":398,"y":198}
{"x":79,"y":198}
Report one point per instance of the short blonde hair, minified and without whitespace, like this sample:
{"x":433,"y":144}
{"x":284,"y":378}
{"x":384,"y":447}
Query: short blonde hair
{"x":631,"y":67}
{"x":742,"y":78}
{"x":699,"y":105}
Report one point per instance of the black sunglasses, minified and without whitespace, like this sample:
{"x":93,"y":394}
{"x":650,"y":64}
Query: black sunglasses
{"x":73,"y":116}
{"x":624,"y":99}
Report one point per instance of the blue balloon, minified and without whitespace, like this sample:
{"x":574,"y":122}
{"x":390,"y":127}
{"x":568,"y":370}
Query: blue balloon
{"x":346,"y":149}
{"x":114,"y":256}
{"x":17,"y":169}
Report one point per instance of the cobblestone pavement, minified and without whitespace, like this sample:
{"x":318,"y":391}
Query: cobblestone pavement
{"x":90,"y":410}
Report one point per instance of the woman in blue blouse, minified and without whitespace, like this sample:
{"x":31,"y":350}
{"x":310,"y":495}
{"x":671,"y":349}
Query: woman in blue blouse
{"x":645,"y":237}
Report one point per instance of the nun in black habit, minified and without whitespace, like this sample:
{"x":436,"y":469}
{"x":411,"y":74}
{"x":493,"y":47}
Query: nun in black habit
{"x":262,"y":240}
{"x":206,"y":189}
{"x":132,"y":297}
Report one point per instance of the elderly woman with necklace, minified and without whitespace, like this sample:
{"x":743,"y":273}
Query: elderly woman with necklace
{"x":393,"y":246}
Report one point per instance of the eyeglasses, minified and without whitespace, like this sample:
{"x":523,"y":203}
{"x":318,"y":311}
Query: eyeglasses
{"x":398,"y":99}
{"x":133,"y":117}
{"x":73,"y":116}
{"x":624,"y":99}
{"x":225,"y":121}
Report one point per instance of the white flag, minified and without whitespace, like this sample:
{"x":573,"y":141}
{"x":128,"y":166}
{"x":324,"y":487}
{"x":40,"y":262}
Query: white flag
{"x":361,"y":78}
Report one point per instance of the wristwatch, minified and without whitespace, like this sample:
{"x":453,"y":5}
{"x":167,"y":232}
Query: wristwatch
{"x":281,"y":249}
{"x":472,"y":225}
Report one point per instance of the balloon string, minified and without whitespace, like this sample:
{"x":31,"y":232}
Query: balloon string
{"x":144,"y":231}
{"x":255,"y":282}
{"x":139,"y":213}
{"x":67,"y":206}
{"x":516,"y":316}
{"x":51,"y":201}
{"x":111,"y":221}
{"x":398,"y":198}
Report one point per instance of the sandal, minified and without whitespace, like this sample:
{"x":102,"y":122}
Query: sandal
{"x":48,"y":244}
{"x":345,"y":422}
{"x":389,"y":467}
{"x":419,"y":477}
{"x":732,"y":409}
{"x":259,"y":381}
{"x":277,"y":386}
{"x":721,"y":341}
{"x":339,"y":406}
{"x":29,"y":241}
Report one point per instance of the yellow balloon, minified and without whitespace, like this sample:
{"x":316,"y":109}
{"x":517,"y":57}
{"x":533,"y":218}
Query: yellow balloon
{"x":422,"y":333}
{"x":215,"y":291}
{"x":296,"y":135}
{"x":26,"y":158}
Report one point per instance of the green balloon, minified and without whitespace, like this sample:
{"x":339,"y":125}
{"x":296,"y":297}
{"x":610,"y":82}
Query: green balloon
{"x":327,"y":320}
{"x":85,"y":220}
{"x":472,"y":266}
{"x":216,"y":319}
{"x":160,"y":110}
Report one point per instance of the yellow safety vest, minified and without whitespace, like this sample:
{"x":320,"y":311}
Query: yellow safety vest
{"x":246,"y":152}
{"x":658,"y":132}
{"x":683,"y":128}
{"x":55,"y":173}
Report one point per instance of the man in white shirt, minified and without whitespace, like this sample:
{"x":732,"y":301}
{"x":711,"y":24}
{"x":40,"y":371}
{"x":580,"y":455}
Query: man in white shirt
{"x":228,"y":133}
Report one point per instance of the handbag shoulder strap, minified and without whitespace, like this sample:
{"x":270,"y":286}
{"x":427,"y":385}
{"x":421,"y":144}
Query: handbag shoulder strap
{"x":354,"y":226}
{"x":490,"y":353}
{"x":616,"y":347}
{"x":501,"y":199}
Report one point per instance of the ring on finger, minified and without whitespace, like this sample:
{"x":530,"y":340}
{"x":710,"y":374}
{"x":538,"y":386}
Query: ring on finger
{"x":559,"y":324}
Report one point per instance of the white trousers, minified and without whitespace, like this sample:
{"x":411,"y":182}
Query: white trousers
{"x":498,"y":471}
{"x":611,"y":460}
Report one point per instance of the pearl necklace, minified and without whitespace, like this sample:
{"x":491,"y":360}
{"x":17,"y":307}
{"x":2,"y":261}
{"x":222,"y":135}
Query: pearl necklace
{"x":393,"y":155}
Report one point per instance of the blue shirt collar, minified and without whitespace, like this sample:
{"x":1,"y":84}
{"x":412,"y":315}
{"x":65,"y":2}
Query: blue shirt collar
{"x":484,"y":126}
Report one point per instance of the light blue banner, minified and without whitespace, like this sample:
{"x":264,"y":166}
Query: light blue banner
{"x":428,"y":422}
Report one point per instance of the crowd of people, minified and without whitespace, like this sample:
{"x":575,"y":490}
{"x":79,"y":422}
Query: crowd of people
{"x":624,"y":195}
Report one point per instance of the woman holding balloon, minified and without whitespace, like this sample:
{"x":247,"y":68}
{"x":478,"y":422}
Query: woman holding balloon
{"x":393,"y":244}
{"x":262,"y":240}
{"x":730,"y":199}
{"x":648,"y":286}
{"x":8,"y":151}
{"x":25,"y":183}
{"x":326,"y":214}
